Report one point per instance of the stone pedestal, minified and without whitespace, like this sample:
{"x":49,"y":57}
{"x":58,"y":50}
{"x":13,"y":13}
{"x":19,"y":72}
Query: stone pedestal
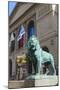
{"x":35,"y":81}
{"x":42,"y":80}
{"x":47,"y":81}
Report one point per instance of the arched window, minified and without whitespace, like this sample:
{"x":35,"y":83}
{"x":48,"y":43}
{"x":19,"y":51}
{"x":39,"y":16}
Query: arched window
{"x":45,"y":48}
{"x":31,"y":29}
{"x":10,"y":68}
{"x":12,"y":40}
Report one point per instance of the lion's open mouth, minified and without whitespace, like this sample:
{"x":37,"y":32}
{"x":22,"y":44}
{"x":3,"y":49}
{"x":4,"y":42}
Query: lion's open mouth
{"x":33,"y":47}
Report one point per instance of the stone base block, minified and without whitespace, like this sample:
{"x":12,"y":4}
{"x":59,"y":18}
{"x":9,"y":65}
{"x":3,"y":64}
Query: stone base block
{"x":42,"y":81}
{"x":47,"y":81}
{"x":15,"y":84}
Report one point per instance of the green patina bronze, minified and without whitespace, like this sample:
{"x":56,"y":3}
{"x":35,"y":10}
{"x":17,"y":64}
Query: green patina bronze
{"x":38,"y":56}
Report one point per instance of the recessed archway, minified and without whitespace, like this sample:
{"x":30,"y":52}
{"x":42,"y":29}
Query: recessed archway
{"x":31,"y":29}
{"x":10,"y":68}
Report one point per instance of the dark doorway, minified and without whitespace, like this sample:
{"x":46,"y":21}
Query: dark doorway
{"x":10,"y":68}
{"x":31,"y":29}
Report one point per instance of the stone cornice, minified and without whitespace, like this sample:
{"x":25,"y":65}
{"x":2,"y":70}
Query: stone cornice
{"x":22,"y":19}
{"x":18,"y":5}
{"x":26,"y":12}
{"x":20,"y":10}
{"x":42,"y":11}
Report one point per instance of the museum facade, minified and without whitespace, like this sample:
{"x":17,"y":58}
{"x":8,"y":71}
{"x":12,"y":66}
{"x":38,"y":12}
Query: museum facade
{"x":45,"y":24}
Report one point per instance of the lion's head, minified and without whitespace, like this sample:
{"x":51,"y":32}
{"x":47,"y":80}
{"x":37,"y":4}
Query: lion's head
{"x":33,"y":43}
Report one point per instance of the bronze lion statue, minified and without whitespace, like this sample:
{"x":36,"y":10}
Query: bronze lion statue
{"x":39,"y":57}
